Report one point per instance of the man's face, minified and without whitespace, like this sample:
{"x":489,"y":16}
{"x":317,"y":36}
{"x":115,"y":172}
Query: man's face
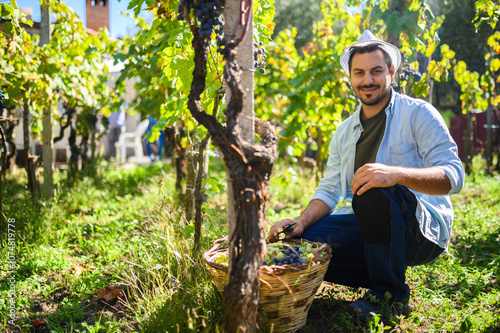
{"x":371,"y":78}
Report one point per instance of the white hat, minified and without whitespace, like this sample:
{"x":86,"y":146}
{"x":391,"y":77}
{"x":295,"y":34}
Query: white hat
{"x":368,"y":38}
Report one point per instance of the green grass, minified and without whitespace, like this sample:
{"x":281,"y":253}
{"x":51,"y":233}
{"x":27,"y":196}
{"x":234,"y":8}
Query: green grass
{"x":125,"y":229}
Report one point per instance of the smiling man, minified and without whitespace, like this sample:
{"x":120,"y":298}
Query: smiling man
{"x":395,"y":161}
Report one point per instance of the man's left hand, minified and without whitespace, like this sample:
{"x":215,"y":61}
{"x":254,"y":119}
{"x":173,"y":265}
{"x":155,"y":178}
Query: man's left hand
{"x":373,"y":175}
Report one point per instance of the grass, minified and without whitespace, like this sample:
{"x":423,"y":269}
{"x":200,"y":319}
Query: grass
{"x":113,"y":253}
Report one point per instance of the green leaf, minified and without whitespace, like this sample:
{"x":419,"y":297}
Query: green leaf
{"x":7,"y":28}
{"x":6,"y":11}
{"x":13,"y":3}
{"x":148,"y":37}
{"x":136,"y":5}
{"x":214,"y":184}
{"x":189,"y":229}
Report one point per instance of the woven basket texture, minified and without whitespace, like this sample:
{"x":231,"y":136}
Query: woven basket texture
{"x":286,"y":292}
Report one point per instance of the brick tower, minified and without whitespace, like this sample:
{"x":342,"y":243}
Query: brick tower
{"x":97,"y":14}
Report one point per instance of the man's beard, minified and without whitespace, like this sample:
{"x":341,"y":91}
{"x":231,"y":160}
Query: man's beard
{"x":367,"y":100}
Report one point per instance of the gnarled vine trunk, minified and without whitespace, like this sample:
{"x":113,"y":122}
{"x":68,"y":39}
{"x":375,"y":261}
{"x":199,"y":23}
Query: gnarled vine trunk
{"x":249,"y":167}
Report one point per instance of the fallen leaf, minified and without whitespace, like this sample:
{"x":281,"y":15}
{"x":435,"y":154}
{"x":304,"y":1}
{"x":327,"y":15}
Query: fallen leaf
{"x":107,"y":294}
{"x":38,"y":322}
{"x":80,"y":267}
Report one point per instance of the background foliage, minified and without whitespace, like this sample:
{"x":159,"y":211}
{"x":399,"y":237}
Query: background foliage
{"x":124,"y":229}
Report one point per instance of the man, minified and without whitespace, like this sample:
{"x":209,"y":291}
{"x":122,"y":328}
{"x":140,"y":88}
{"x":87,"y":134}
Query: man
{"x":395,"y":160}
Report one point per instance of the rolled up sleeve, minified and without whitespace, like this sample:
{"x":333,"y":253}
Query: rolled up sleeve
{"x":329,"y":189}
{"x":438,"y":149}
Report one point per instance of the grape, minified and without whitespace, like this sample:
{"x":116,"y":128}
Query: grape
{"x":279,"y":254}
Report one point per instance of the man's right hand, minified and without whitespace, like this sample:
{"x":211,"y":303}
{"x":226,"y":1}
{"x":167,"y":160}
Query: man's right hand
{"x":273,"y":232}
{"x":315,"y":210}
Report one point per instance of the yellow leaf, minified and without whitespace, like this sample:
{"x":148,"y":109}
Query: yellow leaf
{"x":495,"y":65}
{"x":430,"y":50}
{"x":106,"y":111}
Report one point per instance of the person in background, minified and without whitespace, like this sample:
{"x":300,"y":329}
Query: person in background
{"x":116,"y":125}
{"x":396,"y":163}
{"x":159,"y":143}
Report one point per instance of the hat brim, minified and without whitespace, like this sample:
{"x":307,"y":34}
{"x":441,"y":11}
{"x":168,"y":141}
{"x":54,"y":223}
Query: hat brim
{"x":391,"y":50}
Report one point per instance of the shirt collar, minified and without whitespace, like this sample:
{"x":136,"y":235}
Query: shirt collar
{"x":389,"y":110}
{"x":390,"y":107}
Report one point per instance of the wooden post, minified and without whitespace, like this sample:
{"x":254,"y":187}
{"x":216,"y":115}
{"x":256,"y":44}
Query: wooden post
{"x":47,"y":146}
{"x":245,"y":60}
{"x":191,"y":157}
{"x":489,"y":139}
{"x":468,"y":138}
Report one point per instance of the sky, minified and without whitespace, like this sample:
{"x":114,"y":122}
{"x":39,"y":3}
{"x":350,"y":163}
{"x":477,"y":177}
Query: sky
{"x":120,"y":25}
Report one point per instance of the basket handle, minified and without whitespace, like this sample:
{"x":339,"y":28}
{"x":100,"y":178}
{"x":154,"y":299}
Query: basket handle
{"x":319,"y":250}
{"x":217,"y":243}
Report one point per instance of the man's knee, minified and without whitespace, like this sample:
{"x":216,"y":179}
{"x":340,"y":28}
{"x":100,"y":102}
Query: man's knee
{"x":373,"y":211}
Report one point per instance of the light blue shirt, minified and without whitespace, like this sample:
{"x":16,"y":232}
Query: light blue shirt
{"x":415,"y":136}
{"x":117,"y":119}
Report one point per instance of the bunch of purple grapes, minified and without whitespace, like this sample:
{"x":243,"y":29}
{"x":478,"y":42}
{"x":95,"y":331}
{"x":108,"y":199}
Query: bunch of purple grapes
{"x":407,"y":72}
{"x":258,"y":56}
{"x":290,"y":256}
{"x":2,"y":106}
{"x":209,"y":16}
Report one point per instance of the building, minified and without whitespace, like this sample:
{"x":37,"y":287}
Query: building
{"x":97,"y":14}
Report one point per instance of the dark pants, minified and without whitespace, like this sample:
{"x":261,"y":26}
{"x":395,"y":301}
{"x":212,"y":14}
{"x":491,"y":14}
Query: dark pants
{"x":113,"y":136}
{"x":372,"y":247}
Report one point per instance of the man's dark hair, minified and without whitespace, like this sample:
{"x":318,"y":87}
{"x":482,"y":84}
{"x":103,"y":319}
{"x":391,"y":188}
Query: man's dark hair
{"x":368,"y":49}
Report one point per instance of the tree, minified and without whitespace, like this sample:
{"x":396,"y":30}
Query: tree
{"x":299,"y":14}
{"x":469,"y":45}
{"x":37,"y":77}
{"x":18,"y":76}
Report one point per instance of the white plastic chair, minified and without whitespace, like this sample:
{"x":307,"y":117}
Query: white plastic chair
{"x":132,"y":140}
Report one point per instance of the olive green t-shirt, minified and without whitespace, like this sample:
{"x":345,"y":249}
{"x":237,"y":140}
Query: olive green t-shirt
{"x":369,"y":141}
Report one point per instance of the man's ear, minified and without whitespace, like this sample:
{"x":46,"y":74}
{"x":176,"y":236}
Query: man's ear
{"x":393,"y":72}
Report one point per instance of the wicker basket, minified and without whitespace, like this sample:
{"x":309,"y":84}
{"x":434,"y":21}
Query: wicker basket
{"x":286,"y":292}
